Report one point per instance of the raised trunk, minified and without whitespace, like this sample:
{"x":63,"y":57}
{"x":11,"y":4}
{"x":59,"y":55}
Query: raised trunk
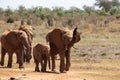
{"x":73,"y":38}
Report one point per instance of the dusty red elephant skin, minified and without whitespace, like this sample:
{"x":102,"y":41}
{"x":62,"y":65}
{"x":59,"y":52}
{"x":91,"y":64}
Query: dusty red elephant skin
{"x":61,"y":43}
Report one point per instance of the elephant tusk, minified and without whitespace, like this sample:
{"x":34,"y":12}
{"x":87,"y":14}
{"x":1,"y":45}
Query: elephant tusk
{"x":75,"y":47}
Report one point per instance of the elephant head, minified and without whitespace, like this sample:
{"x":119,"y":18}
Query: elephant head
{"x":70,"y":38}
{"x":28,"y":30}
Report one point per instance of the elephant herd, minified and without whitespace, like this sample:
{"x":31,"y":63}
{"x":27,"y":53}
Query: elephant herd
{"x":19,"y":41}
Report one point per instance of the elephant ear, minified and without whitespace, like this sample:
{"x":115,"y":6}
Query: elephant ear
{"x":19,"y":35}
{"x":63,"y":35}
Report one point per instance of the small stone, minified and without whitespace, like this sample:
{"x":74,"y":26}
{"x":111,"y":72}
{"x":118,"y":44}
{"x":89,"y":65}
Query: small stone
{"x":12,"y":78}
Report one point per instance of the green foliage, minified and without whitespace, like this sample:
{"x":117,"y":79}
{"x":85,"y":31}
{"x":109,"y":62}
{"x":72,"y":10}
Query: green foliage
{"x":70,"y":22}
{"x":22,"y":22}
{"x":114,"y":11}
{"x":29,"y":22}
{"x":10,"y":20}
{"x":107,"y":4}
{"x":60,"y":16}
{"x":89,"y":10}
{"x":103,"y":13}
{"x":8,"y":12}
{"x":103,"y":54}
{"x":59,"y":11}
{"x":21,"y":11}
{"x":50,"y":20}
{"x":117,"y":53}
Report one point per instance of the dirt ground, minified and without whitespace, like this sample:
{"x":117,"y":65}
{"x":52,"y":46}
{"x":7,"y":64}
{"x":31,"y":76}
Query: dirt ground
{"x":29,"y":74}
{"x":91,"y":66}
{"x":79,"y":70}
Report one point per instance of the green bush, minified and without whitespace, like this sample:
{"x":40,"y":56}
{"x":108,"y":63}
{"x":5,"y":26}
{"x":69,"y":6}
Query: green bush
{"x":10,"y":20}
{"x":29,"y":22}
{"x":22,"y":22}
{"x":103,"y":54}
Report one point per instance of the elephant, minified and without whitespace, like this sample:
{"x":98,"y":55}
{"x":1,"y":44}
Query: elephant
{"x":14,"y":41}
{"x":61,"y":40}
{"x":29,"y":31}
{"x":41,"y":55}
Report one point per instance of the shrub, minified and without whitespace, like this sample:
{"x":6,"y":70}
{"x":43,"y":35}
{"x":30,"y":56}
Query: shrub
{"x":10,"y":20}
{"x":29,"y":22}
{"x":103,"y":54}
{"x":117,"y":53}
{"x":22,"y":22}
{"x":50,"y":20}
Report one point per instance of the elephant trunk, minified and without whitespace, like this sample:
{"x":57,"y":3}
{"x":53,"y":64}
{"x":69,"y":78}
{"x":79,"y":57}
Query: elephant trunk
{"x":73,"y":40}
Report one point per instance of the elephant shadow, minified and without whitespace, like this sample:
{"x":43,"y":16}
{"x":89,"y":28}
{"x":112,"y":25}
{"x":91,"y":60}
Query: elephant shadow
{"x":55,"y":72}
{"x":52,"y":72}
{"x":3,"y":67}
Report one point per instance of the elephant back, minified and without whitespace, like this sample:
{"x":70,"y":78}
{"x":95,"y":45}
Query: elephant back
{"x":42,"y":48}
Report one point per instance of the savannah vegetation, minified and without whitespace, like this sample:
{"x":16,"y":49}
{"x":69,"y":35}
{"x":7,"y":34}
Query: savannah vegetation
{"x":97,"y":56}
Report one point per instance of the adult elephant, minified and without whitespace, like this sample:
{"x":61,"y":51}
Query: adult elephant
{"x":14,"y":41}
{"x":61,"y":40}
{"x":29,"y":31}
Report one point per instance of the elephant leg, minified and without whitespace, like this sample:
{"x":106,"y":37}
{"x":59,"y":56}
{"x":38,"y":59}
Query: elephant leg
{"x":44,"y":66}
{"x":37,"y":66}
{"x":24,"y":57}
{"x":17,"y":58}
{"x":62,"y":62}
{"x":27,"y":51}
{"x":3,"y":52}
{"x":20,"y":58}
{"x":53,"y":62}
{"x":68,"y":63}
{"x":10,"y":55}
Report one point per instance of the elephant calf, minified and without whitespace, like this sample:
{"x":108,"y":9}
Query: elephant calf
{"x":41,"y":55}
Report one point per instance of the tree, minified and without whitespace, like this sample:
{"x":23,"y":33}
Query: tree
{"x":1,"y":12}
{"x":107,"y":4}
{"x":89,"y":10}
{"x":21,"y":11}
{"x":59,"y":11}
{"x":8,"y":12}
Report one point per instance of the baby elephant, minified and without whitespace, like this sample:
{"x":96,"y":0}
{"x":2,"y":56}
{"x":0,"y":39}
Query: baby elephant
{"x":41,"y":55}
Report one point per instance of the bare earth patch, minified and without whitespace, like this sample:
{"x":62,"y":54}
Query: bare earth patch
{"x":78,"y":71}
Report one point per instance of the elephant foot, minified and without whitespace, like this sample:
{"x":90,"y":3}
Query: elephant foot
{"x":62,"y":71}
{"x":53,"y":70}
{"x":43,"y":70}
{"x":21,"y":67}
{"x":66,"y":69}
{"x":9,"y":65}
{"x":2,"y":64}
{"x":37,"y":70}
